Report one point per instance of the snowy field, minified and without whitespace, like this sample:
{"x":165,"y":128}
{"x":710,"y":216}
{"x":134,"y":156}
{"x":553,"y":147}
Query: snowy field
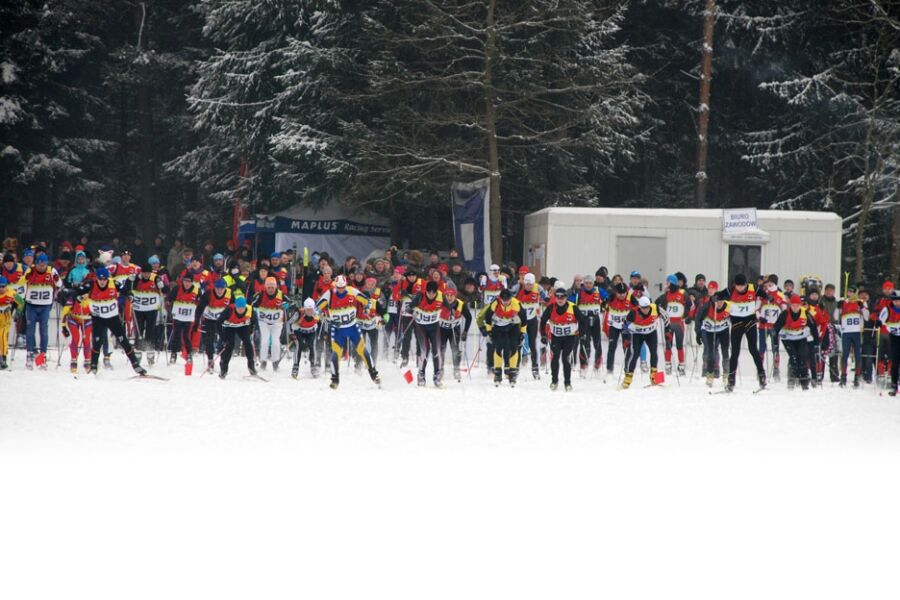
{"x":202,"y":488}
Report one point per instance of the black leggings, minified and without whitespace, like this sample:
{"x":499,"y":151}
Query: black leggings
{"x":531,"y":330}
{"x":229,"y":334}
{"x":210,"y":329}
{"x":98,"y":334}
{"x":506,"y":348}
{"x":614,"y":335}
{"x":591,"y":337}
{"x":428,"y":340}
{"x":798,"y":359}
{"x":741,"y":328}
{"x":895,"y":360}
{"x":148,"y":336}
{"x":562,"y":349}
{"x":181,"y":337}
{"x":306,"y":342}
{"x":637,"y":339}
{"x":451,"y":335}
{"x":713,"y":343}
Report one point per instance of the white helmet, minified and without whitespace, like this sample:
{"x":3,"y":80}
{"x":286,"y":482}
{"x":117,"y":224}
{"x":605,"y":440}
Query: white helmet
{"x":309,"y":303}
{"x":529,"y":278}
{"x":643,"y":301}
{"x":340,"y":281}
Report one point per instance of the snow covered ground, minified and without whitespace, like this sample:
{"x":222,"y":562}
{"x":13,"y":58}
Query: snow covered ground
{"x":198,"y":487}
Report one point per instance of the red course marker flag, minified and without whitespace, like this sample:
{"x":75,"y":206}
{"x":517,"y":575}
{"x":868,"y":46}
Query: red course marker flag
{"x":408,"y":376}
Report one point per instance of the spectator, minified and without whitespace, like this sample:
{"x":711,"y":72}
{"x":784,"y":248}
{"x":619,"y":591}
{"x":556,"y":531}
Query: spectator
{"x":139,"y":251}
{"x":173,"y":259}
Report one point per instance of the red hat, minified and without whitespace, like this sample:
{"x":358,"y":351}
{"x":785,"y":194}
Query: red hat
{"x":79,"y":248}
{"x":443,"y":268}
{"x":796,"y":300}
{"x":712,"y":285}
{"x":523,"y":270}
{"x":887,"y":285}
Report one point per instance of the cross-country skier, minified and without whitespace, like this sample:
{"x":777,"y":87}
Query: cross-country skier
{"x":182,"y":302}
{"x":643,"y":324}
{"x":850,"y":313}
{"x":677,"y":305}
{"x":617,"y":310}
{"x":41,"y":285}
{"x":426,"y":315}
{"x":147,"y":297}
{"x":744,"y":303}
{"x":236,"y":321}
{"x":10,"y":303}
{"x":304,"y":326}
{"x":269,"y":310}
{"x":711,"y":324}
{"x":796,"y":329}
{"x":341,"y":306}
{"x":455,"y":320}
{"x":104,"y":299}
{"x":890,"y":319}
{"x":505,"y":322}
{"x":532,"y":297}
{"x":589,"y":299}
{"x":212,"y":303}
{"x":562,"y":321}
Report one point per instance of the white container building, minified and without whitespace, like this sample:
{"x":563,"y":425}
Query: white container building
{"x":563,"y":242}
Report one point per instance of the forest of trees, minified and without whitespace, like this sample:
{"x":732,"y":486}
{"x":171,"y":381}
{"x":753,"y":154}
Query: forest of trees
{"x":149,"y":117}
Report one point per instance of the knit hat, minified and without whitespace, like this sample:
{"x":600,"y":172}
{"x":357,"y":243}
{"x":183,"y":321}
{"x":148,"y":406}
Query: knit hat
{"x":740,"y":279}
{"x":309,"y":303}
{"x":101,"y":273}
{"x":240,"y":302}
{"x":220,"y":284}
{"x":643,"y":301}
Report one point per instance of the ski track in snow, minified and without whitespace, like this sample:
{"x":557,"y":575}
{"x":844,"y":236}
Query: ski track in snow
{"x":51,"y":412}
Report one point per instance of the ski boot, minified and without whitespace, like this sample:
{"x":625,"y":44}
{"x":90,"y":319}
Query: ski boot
{"x":457,"y":374}
{"x":141,"y":371}
{"x":376,"y":378}
{"x":626,"y":381}
{"x":856,"y":381}
{"x":262,"y":365}
{"x":729,"y":387}
{"x":334,"y":382}
{"x":138,"y":356}
{"x":93,"y":370}
{"x":151,"y":358}
{"x":173,"y":358}
{"x":776,"y":375}
{"x":404,"y":362}
{"x":681,"y":370}
{"x":568,"y":387}
{"x":843,"y":382}
{"x":107,"y":361}
{"x":762,"y":381}
{"x":645,"y":366}
{"x":710,"y":378}
{"x":536,"y":373}
{"x":498,"y":377}
{"x":253,"y":371}
{"x":314,"y":371}
{"x":513,"y":376}
{"x":223,"y":373}
{"x":3,"y":365}
{"x":295,"y":371}
{"x":553,"y":386}
{"x":87,"y":366}
{"x":668,"y":368}
{"x":275,"y":365}
{"x":804,"y":385}
{"x":438,"y":383}
{"x":29,"y":361}
{"x":211,"y":367}
{"x":73,"y":367}
{"x":420,"y":380}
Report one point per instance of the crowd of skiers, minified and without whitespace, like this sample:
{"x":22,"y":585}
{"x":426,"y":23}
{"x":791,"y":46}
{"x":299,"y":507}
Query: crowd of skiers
{"x":286,"y":307}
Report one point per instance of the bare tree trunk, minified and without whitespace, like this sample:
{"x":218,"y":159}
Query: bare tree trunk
{"x":491,"y":126}
{"x":865,"y":205}
{"x":895,"y":237}
{"x":703,"y":109}
{"x":147,"y":226}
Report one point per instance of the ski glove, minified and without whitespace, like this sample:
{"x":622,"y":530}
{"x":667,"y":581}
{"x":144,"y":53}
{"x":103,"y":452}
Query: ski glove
{"x":463,"y":336}
{"x":65,"y":331}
